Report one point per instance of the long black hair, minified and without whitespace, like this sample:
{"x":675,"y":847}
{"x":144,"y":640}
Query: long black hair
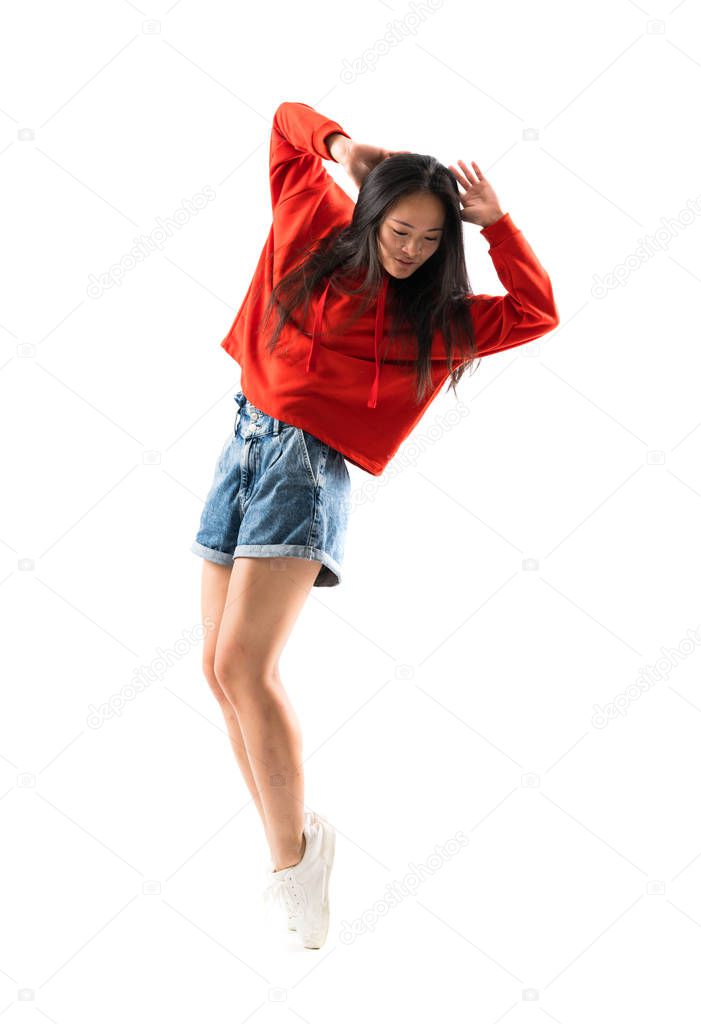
{"x":435,"y":295}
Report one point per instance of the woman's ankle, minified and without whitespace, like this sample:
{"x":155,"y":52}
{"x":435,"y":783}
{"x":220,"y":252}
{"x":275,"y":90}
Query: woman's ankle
{"x":301,"y":855}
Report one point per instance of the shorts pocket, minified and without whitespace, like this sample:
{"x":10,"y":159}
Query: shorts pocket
{"x":313,"y":452}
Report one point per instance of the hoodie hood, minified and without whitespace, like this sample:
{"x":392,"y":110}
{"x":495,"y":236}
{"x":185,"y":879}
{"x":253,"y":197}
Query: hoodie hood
{"x":374,"y":393}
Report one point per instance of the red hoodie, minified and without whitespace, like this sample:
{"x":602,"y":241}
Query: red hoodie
{"x":334,"y":385}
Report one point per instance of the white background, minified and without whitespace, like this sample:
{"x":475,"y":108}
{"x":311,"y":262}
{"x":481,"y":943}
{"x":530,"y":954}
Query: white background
{"x":506,"y":576}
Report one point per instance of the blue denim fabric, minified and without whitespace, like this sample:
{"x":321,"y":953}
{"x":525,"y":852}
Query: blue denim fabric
{"x":277,"y":491}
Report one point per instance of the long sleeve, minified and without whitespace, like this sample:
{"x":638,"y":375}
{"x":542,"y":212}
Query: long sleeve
{"x":307,"y":202}
{"x":297,"y":149}
{"x":528,"y":310}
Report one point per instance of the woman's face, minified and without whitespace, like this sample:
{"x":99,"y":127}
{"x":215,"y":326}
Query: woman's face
{"x":410,"y":233}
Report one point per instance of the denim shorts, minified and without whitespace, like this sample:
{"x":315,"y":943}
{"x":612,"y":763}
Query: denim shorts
{"x":278,"y":491}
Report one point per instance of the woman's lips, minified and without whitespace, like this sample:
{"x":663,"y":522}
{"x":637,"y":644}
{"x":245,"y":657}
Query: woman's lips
{"x":404,"y":263}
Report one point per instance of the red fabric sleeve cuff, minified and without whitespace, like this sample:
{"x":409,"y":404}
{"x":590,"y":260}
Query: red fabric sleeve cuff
{"x":499,"y":230}
{"x":327,"y":127}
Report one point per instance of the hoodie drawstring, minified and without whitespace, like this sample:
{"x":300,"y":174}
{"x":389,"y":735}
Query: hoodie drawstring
{"x":379,"y":332}
{"x":316,"y":330}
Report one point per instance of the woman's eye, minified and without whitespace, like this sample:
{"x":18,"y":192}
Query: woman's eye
{"x":402,"y":233}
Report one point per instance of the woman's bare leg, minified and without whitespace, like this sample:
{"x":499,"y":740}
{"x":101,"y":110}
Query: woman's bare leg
{"x":215,"y":586}
{"x":264,"y":599}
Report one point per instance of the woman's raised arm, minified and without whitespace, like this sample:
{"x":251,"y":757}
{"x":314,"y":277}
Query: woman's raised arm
{"x":357,"y":158}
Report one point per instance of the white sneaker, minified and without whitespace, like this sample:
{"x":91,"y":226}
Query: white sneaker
{"x":304,"y":887}
{"x":273,"y":893}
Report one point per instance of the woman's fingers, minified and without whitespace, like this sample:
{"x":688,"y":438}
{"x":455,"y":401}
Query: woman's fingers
{"x":468,"y":179}
{"x":468,"y":172}
{"x":458,"y":175}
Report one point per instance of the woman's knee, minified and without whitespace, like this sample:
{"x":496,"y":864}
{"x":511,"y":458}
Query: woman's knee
{"x":242,"y":679}
{"x":213,"y":682}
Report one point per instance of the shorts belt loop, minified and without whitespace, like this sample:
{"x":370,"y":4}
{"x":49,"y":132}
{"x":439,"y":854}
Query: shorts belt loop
{"x":240,"y":400}
{"x":276,"y":426}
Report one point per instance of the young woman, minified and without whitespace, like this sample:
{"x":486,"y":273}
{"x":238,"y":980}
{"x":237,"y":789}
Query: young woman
{"x":356,"y":316}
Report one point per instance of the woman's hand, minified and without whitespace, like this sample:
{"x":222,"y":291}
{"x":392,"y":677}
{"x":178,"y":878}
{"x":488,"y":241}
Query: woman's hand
{"x":479,"y":200}
{"x":358,"y":158}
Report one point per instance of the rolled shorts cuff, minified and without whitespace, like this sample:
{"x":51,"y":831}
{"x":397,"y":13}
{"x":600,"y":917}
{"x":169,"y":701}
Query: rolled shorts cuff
{"x":329,"y":576}
{"x":211,"y":554}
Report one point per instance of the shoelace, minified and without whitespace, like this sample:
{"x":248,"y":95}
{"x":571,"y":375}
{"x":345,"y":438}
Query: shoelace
{"x":283,"y":890}
{"x":286,"y":893}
